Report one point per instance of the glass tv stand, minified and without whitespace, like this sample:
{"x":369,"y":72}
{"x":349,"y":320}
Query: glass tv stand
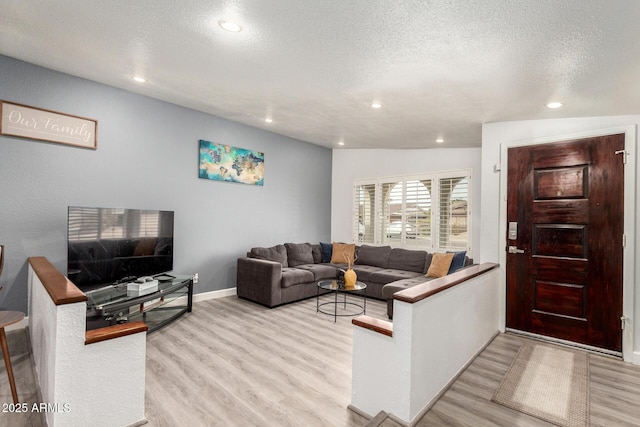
{"x":112,"y":304}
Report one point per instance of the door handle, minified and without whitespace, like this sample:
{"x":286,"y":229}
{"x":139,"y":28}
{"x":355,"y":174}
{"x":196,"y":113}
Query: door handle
{"x":515,"y":250}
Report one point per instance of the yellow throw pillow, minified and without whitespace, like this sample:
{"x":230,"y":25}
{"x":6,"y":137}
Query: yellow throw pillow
{"x":342,"y":251}
{"x":440,"y":264}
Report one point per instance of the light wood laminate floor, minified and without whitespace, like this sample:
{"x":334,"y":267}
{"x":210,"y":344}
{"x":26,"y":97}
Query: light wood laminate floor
{"x":235,"y":363}
{"x":614,"y":392}
{"x":20,"y":351}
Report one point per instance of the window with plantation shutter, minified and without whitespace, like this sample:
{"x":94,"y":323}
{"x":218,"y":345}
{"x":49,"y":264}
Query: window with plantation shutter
{"x":453,"y":215}
{"x":364,"y":213}
{"x":418,"y":213}
{"x":429,"y":211}
{"x":391,"y":216}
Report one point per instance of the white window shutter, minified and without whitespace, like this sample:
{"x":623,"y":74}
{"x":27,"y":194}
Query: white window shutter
{"x":391,"y":216}
{"x":453,"y":213}
{"x":363,"y":227}
{"x":418,"y":213}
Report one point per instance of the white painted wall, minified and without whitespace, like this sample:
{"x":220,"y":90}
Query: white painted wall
{"x":432,"y":341}
{"x":381,"y":371}
{"x":492,"y":236}
{"x":441,"y":350}
{"x":349,"y":165}
{"x":100,"y":384}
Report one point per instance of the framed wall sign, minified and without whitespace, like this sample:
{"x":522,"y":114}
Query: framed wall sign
{"x":28,"y":122}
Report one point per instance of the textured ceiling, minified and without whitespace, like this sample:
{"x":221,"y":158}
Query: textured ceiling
{"x":440,"y":68}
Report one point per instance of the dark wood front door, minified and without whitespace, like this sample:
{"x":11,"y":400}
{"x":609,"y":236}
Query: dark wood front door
{"x":567,"y":201}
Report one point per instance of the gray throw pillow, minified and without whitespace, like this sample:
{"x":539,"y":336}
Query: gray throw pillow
{"x":276,"y":253}
{"x":299,"y":253}
{"x":317,"y":253}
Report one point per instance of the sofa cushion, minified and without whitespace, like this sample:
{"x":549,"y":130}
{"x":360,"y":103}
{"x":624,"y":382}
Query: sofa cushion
{"x":400,"y":285}
{"x":295,"y":276}
{"x":276,"y":253}
{"x":320,"y":271}
{"x":377,"y":256}
{"x":389,"y":275}
{"x":342,"y":252}
{"x":317,"y":253}
{"x":365,"y":272}
{"x":458,"y":260}
{"x":299,"y":253}
{"x":439,"y":265}
{"x":327,"y":250}
{"x":407,"y":259}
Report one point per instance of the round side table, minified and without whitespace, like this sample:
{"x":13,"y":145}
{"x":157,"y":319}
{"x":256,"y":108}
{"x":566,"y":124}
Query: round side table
{"x":9,"y":318}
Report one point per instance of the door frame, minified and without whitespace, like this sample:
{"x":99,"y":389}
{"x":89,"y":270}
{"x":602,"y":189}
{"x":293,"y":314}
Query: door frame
{"x":628,"y":262}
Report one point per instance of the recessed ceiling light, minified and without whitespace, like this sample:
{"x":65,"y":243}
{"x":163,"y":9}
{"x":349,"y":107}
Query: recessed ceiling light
{"x":341,"y":143}
{"x":555,"y":105}
{"x":268,"y":120}
{"x":439,"y":140}
{"x":376,"y":105}
{"x":139,"y":79}
{"x":230,"y":26}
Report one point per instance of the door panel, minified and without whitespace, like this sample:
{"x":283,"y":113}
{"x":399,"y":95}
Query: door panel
{"x":554,"y":211}
{"x":560,"y":183}
{"x":564,"y":298}
{"x":567,"y":198}
{"x":555,"y":240}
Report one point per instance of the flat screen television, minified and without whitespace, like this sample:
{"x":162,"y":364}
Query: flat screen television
{"x":109,"y":245}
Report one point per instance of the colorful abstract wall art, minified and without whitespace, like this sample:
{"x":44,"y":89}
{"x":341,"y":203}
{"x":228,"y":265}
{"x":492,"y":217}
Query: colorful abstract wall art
{"x":233,"y":164}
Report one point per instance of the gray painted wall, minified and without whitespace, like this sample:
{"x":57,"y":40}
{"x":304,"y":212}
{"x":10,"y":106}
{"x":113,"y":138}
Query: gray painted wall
{"x":147,"y":158}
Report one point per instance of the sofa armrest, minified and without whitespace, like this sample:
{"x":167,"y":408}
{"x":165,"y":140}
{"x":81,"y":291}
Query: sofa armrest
{"x":259,"y":281}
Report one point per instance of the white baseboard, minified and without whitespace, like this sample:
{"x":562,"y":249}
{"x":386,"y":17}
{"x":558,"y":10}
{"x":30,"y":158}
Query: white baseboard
{"x":635,"y":359}
{"x":204,"y":296}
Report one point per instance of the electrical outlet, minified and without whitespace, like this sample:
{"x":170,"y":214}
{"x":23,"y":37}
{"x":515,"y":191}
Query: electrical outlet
{"x":195,"y":278}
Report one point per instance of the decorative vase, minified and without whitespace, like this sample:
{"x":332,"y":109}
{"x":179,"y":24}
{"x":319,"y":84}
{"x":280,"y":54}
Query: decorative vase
{"x":350,"y":278}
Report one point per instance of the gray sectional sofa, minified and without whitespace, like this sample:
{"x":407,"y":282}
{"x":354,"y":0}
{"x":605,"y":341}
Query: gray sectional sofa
{"x":286,"y":273}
